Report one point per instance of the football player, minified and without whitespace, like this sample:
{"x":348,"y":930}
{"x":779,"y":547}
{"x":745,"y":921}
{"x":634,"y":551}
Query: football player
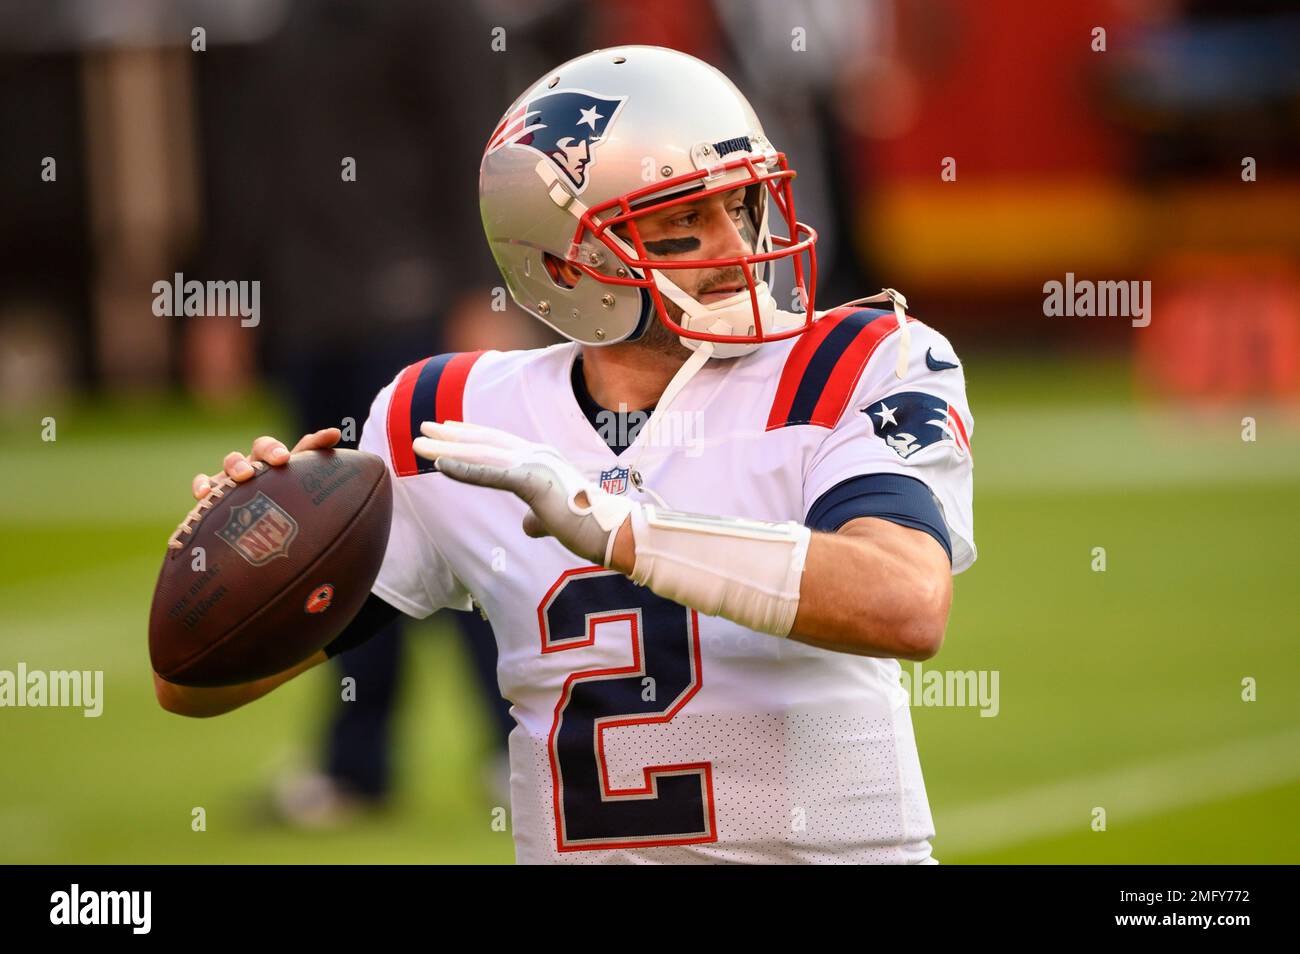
{"x":704,"y":528}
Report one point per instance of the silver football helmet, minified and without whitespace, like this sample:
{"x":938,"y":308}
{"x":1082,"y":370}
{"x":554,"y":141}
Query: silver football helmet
{"x":608,"y":138}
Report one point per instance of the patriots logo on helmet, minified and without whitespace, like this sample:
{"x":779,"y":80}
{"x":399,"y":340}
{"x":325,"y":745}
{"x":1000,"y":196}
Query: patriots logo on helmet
{"x":565,"y":126}
{"x":911,"y":420}
{"x":614,"y":481}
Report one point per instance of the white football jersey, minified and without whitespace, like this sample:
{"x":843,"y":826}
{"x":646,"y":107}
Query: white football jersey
{"x":648,"y":732}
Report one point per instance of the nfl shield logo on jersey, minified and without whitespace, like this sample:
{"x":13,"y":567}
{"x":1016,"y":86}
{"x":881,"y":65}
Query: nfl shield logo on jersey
{"x":614,"y":481}
{"x":259,"y":530}
{"x":910,"y":421}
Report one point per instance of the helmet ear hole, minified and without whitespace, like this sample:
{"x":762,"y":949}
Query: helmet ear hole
{"x":563,"y":274}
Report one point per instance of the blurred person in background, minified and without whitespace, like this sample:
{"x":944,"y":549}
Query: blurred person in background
{"x":359,"y":276}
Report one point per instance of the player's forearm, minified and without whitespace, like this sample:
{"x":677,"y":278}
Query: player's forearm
{"x":872,"y":591}
{"x":859,"y":596}
{"x":200,"y":703}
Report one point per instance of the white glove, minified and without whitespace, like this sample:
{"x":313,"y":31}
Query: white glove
{"x":747,"y":571}
{"x":565,"y":505}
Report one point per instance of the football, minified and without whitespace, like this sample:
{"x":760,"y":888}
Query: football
{"x":263,"y":573}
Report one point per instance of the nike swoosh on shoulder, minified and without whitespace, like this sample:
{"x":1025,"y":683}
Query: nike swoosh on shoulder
{"x":934,"y":364}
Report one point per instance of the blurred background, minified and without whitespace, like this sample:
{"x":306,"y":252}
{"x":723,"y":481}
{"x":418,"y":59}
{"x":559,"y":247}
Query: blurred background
{"x":965,"y":154}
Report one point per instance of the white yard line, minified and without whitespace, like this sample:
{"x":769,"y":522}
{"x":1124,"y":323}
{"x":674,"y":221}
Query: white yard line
{"x":1194,"y":778}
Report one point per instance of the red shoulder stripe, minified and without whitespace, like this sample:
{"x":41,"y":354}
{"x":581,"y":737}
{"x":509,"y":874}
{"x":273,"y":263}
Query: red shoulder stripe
{"x":823,"y":368}
{"x":430,"y":390}
{"x":796,"y":363}
{"x":848,"y":370}
{"x":399,"y":420}
{"x":450,"y":401}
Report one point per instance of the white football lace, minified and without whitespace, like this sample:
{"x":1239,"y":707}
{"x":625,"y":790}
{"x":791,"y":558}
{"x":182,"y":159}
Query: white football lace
{"x":219,"y":487}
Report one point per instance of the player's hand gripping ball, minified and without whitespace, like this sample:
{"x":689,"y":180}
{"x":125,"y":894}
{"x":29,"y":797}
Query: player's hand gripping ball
{"x":275,"y":559}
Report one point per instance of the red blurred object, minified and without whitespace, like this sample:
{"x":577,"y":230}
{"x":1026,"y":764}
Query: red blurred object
{"x":1223,"y":327}
{"x":1007,"y":87}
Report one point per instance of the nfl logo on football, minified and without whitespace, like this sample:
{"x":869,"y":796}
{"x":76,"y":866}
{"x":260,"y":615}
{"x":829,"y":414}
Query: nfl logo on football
{"x":260,"y":530}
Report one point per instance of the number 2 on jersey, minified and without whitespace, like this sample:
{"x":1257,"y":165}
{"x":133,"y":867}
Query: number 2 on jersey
{"x":674,"y":806}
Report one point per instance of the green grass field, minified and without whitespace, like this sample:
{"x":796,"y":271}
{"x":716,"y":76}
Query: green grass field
{"x":1119,"y":690}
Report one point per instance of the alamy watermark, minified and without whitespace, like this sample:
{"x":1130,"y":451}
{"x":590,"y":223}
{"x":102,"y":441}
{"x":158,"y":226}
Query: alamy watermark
{"x":75,"y":906}
{"x":180,"y":298}
{"x":1083,"y":298}
{"x":953,"y":688}
{"x":671,"y":429}
{"x":58,"y":689}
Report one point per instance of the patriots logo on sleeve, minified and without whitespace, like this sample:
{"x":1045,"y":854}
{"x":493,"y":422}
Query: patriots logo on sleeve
{"x":912,"y":420}
{"x":565,"y":126}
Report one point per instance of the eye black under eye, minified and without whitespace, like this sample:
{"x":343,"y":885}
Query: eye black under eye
{"x":672,"y":246}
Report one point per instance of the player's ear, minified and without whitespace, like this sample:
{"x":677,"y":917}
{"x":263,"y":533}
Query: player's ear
{"x":565,"y":274}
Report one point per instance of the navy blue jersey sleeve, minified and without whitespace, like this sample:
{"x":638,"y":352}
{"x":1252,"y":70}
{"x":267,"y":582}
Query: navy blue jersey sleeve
{"x":373,"y":616}
{"x":893,"y":497}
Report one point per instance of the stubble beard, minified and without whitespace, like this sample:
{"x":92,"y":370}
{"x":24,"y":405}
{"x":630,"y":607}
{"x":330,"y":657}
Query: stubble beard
{"x":659,"y":339}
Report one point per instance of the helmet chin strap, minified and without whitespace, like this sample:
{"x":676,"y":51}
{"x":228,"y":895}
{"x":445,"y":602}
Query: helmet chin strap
{"x":900,"y":315}
{"x":730,"y":316}
{"x":650,"y":429}
{"x":720,"y":318}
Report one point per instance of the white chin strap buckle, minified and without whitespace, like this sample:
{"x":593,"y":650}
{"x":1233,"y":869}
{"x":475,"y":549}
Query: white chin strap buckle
{"x":730,"y":316}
